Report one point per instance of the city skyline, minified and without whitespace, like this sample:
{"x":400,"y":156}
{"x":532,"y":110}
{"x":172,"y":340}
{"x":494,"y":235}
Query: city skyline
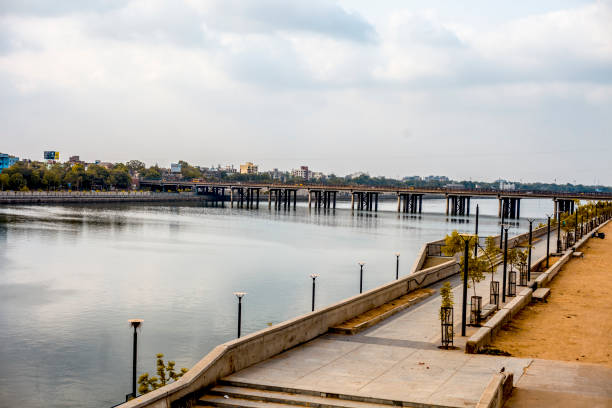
{"x":398,"y":89}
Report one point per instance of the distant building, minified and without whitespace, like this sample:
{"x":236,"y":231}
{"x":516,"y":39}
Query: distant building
{"x":75,"y":160}
{"x":317,"y":175}
{"x":504,"y":185}
{"x":248,"y":168}
{"x":454,"y":186}
{"x":175,"y":167}
{"x":7,"y":160}
{"x":302,"y":173}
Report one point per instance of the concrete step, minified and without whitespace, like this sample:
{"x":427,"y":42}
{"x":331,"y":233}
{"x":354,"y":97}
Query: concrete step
{"x":289,"y":398}
{"x":222,"y":402}
{"x":314,"y":398}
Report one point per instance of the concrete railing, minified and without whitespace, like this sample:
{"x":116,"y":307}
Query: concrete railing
{"x":238,"y":354}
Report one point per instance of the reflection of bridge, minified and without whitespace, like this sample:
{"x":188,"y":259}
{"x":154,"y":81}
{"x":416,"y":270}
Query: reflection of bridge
{"x":409,"y":200}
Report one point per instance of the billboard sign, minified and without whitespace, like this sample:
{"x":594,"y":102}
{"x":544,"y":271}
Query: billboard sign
{"x":175,"y":167}
{"x":51,"y":155}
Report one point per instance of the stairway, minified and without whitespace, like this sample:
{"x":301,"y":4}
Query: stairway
{"x":237,"y":394}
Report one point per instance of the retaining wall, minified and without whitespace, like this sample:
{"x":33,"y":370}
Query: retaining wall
{"x":238,"y":354}
{"x":497,"y":392}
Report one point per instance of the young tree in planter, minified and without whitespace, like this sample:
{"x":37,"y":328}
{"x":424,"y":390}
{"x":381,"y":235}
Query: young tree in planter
{"x":446,"y":314}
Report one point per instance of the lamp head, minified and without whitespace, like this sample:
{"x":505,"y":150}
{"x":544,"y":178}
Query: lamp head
{"x":240,"y":295}
{"x":361,"y":263}
{"x":397,"y":254}
{"x":314,"y":275}
{"x":136,"y":323}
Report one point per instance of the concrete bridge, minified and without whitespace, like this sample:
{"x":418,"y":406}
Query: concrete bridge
{"x":365,"y":198}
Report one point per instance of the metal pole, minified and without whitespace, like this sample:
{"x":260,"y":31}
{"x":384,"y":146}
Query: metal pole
{"x":313,"y":293}
{"x":465,"y":285}
{"x":134,"y":359}
{"x":360,"y":278}
{"x":476,"y":233}
{"x":559,"y":233}
{"x":239,"y":314}
{"x":529,"y":253}
{"x":501,"y":233}
{"x":505,"y":266}
{"x":397,"y":266}
{"x":548,"y":243}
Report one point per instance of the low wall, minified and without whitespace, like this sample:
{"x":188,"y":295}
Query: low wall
{"x":497,"y":392}
{"x":238,"y":354}
{"x":485,"y":334}
{"x":422,"y":256}
{"x":36,"y":197}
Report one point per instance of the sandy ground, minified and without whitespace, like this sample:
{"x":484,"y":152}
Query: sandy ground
{"x":576,"y":323}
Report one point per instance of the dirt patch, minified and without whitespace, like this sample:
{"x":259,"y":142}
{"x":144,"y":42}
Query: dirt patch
{"x":575,"y":324}
{"x":372,"y":313}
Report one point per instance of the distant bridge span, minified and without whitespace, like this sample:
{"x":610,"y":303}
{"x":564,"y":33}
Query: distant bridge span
{"x":409,"y":199}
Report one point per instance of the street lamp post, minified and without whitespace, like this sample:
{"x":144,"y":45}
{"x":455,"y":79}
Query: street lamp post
{"x":531,"y":220}
{"x":476,"y":233}
{"x":548,"y":241}
{"x":397,"y":254}
{"x":361,"y":263}
{"x":559,"y":232}
{"x":505,"y":263}
{"x":239,"y":295}
{"x":314,"y":276}
{"x":501,"y":232}
{"x":465,"y":283}
{"x":576,"y":228}
{"x":136,"y":324}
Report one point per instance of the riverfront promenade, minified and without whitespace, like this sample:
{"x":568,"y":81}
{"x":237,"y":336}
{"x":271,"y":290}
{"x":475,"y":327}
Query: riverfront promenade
{"x":397,"y":360}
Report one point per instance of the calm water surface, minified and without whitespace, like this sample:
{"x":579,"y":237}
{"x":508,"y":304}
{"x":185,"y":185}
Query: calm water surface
{"x":71,"y":277}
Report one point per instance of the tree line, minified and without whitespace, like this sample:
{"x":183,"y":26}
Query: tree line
{"x":28,"y":176}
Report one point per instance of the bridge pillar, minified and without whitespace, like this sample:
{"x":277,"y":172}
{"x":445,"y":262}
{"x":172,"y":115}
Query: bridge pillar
{"x":335,"y":192}
{"x":446,"y":204}
{"x":352,"y":200}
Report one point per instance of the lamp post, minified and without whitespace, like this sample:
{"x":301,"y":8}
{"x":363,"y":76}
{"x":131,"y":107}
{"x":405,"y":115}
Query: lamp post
{"x":576,"y":228}
{"x":136,"y":324}
{"x":501,"y":232}
{"x":314,"y":276}
{"x":547,"y":241}
{"x":531,"y":220}
{"x":559,"y":232}
{"x":239,"y":295}
{"x":505,"y":263}
{"x":476,"y":233}
{"x":361,"y":263}
{"x":466,"y":257}
{"x":397,"y":254}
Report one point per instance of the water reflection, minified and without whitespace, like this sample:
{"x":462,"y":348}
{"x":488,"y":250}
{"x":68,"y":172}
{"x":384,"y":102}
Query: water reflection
{"x":71,"y":276}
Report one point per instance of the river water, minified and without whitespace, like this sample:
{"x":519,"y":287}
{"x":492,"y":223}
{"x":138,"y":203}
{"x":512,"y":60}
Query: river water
{"x":71,"y":277}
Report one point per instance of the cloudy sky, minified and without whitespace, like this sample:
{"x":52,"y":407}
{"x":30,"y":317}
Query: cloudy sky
{"x":476,"y":89}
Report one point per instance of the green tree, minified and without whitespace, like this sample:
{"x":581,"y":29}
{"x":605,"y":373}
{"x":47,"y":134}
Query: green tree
{"x":153,"y":172}
{"x":446,"y":293}
{"x":4,"y":181}
{"x":135,"y":166}
{"x":165,"y":375}
{"x":16,"y":181}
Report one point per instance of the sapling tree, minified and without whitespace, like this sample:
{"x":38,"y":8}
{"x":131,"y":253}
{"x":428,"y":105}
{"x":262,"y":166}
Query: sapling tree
{"x":455,"y":243}
{"x":165,"y":375}
{"x":446,"y":293}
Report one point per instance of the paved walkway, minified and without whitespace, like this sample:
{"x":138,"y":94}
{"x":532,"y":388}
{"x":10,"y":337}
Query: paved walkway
{"x":398,"y":359}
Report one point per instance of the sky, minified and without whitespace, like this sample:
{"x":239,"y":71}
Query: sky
{"x":475,"y":90}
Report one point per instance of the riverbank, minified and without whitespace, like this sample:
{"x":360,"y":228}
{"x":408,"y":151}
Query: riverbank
{"x":574,"y":325}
